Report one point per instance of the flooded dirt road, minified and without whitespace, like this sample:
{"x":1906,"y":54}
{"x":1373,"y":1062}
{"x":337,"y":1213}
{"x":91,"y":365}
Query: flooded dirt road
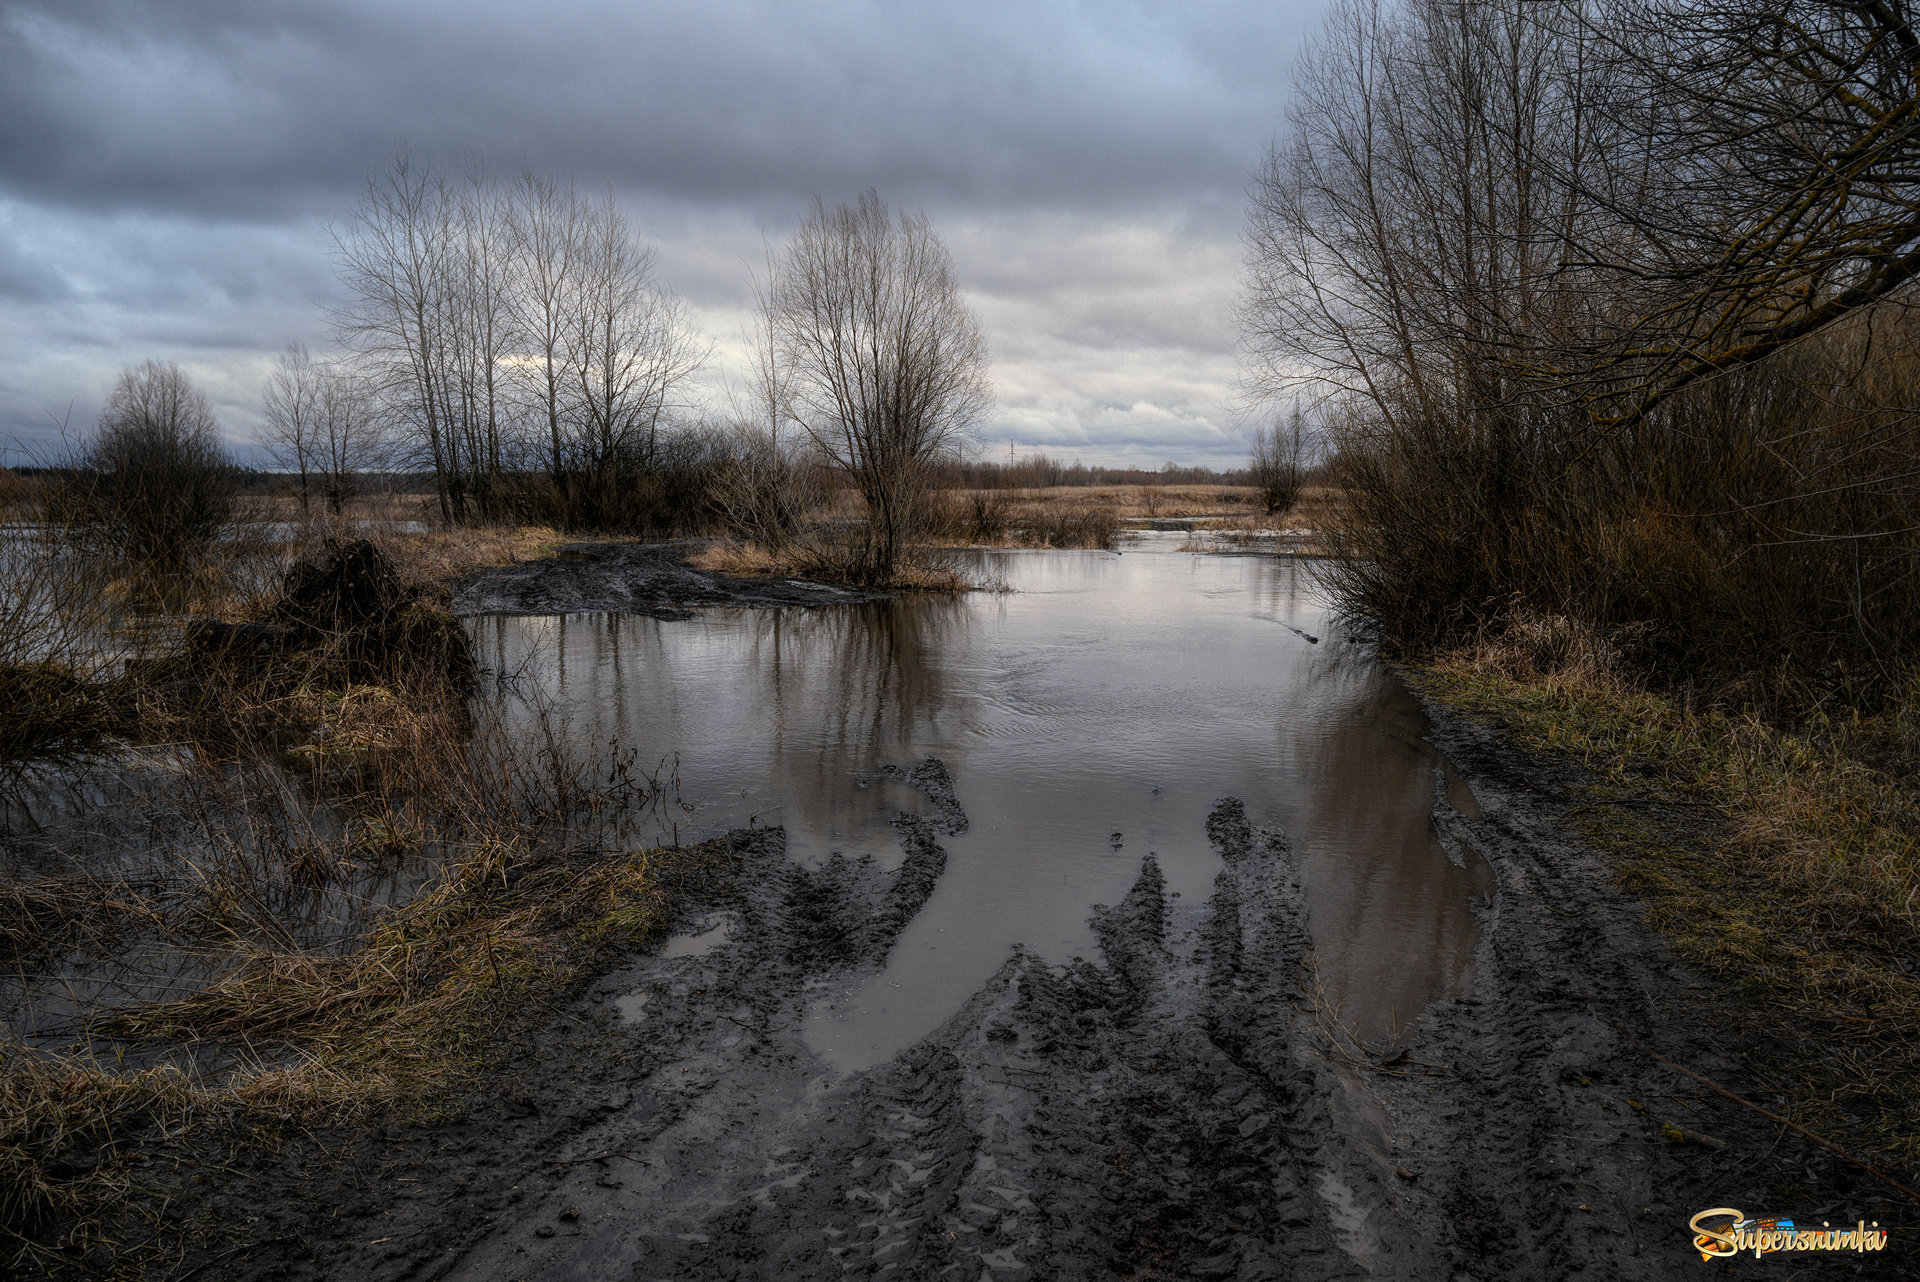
{"x":1127,"y":925}
{"x":1089,"y":717}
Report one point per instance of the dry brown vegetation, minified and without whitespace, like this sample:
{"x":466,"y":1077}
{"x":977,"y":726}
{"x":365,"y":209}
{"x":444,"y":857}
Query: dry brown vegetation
{"x":1077,"y":516}
{"x":323,"y":742}
{"x":1084,"y":516}
{"x":915,"y":571}
{"x":1795,"y":879}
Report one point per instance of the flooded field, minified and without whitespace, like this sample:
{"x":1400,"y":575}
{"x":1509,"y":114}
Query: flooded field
{"x":1091,"y":715}
{"x":1130,"y":921}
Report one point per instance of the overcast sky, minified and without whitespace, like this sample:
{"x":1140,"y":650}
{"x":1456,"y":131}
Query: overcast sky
{"x":168,"y":170}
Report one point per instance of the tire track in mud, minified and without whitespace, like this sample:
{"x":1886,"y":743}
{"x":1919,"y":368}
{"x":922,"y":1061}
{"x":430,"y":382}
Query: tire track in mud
{"x":1178,"y":1108}
{"x":1148,"y":1116}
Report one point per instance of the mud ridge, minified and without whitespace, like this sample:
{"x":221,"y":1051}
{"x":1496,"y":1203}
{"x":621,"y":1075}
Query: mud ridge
{"x":651,"y":579}
{"x":1180,"y":1106}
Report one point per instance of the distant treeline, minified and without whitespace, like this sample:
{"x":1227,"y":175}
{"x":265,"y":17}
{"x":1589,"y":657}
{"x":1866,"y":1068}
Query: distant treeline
{"x":1039,"y":472}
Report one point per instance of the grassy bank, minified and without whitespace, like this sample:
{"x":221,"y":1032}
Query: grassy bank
{"x":325,"y":741}
{"x":918,"y":571}
{"x":400,"y":1025}
{"x":1784,"y":864}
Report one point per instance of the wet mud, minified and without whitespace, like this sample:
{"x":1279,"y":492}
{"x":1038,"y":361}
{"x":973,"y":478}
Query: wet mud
{"x":1176,"y":1105}
{"x":648,"y":579}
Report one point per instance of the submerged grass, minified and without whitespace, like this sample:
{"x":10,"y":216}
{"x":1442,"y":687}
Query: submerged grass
{"x":1786,"y":863}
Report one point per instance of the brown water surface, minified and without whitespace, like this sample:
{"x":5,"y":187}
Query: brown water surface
{"x":1090,"y":716}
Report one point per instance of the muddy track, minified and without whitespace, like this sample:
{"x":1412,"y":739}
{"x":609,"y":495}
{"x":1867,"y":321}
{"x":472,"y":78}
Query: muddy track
{"x":650,"y":579}
{"x":1178,"y":1107}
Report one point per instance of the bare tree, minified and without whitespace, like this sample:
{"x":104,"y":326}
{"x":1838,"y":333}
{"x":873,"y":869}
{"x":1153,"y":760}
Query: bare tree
{"x":322,"y":423}
{"x":428,"y":321}
{"x":547,"y":230}
{"x":1542,"y":263}
{"x":1281,"y":456}
{"x":291,"y":410}
{"x":393,"y":262}
{"x":1416,"y":238}
{"x":885,"y":367}
{"x":477,"y":320}
{"x":499,"y":325}
{"x":153,"y":483}
{"x":765,"y":487}
{"x":1781,"y":144}
{"x":629,"y":350}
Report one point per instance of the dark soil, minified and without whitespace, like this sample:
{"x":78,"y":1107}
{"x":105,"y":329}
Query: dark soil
{"x":1178,"y":1108}
{"x":650,"y":579}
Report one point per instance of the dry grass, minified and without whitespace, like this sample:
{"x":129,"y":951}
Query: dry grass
{"x":1801,"y":888}
{"x":326,"y":736}
{"x":1093,"y":516}
{"x":535,"y":885}
{"x":919,"y":571}
{"x":411,"y":1015}
{"x":416,"y":1007}
{"x":442,"y":557}
{"x":72,"y":1138}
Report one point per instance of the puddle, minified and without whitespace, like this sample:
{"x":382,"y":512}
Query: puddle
{"x":631,"y":1008}
{"x":1089,"y":717}
{"x":702,"y":941}
{"x":1347,"y":1217}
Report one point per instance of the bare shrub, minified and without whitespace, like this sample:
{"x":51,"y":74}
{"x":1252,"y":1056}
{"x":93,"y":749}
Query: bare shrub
{"x":987,"y":515}
{"x":152,"y":485}
{"x":1281,"y":458}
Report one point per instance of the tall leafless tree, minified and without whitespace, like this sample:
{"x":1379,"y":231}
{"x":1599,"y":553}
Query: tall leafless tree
{"x":394,"y":262}
{"x":766,"y":486}
{"x":1542,"y":263}
{"x":1780,"y":140}
{"x":323,"y":423}
{"x":426,"y":317}
{"x":547,"y":223}
{"x":291,"y":415}
{"x":629,"y":349}
{"x":885,"y":367}
{"x":498,"y":322}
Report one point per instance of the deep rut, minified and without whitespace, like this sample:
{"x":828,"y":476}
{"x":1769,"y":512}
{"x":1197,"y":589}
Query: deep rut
{"x":1180,"y":1107}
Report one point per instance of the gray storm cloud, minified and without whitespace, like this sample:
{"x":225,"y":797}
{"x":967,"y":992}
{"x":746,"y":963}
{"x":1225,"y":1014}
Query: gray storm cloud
{"x":167,"y":173}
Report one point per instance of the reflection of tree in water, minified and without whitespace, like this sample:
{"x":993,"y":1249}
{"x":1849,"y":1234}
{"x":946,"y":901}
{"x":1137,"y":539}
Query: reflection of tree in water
{"x":852,"y":689}
{"x":1391,"y":915}
{"x":1289,"y":588}
{"x":792,"y":705}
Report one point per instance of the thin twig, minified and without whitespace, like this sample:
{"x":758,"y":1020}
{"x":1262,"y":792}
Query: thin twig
{"x":597,"y":1157}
